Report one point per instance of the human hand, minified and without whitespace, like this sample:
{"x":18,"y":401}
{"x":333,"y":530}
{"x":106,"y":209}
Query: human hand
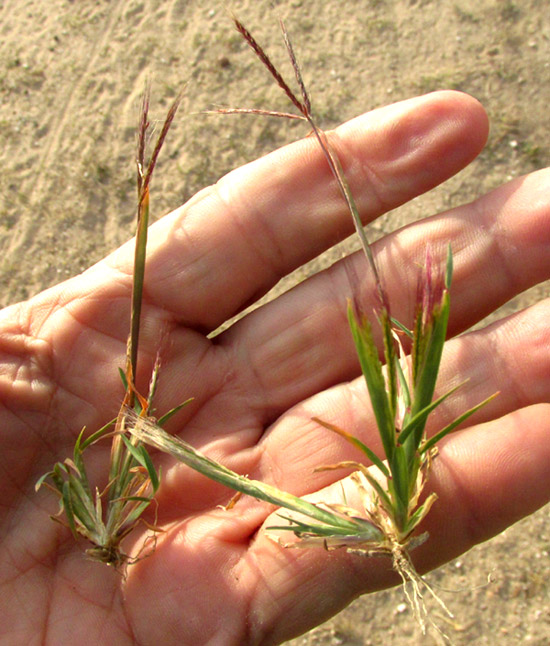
{"x":215,"y":577}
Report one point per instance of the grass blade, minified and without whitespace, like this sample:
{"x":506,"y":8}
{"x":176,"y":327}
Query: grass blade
{"x":150,"y":433}
{"x":426,"y":446}
{"x":357,"y":443}
{"x":374,"y":377}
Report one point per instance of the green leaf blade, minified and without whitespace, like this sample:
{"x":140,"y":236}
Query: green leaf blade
{"x":376,"y":383}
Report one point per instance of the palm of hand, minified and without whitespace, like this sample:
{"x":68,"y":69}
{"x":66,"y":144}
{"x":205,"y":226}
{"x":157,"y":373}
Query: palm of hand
{"x":215,"y":577}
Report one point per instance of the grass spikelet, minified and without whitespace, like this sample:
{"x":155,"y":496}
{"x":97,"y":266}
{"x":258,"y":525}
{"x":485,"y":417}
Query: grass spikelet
{"x":264,"y":58}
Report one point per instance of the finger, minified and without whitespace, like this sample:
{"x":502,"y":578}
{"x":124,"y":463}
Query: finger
{"x":486,"y":478}
{"x":300,"y":343}
{"x":234,"y":241}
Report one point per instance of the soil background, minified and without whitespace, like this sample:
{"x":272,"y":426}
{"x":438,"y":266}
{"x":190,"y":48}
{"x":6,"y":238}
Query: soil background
{"x":71,"y":76}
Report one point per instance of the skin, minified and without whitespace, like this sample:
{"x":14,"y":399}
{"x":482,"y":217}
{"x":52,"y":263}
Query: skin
{"x":215,"y":577}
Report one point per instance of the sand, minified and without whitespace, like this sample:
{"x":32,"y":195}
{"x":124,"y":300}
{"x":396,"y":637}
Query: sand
{"x":71,"y":74}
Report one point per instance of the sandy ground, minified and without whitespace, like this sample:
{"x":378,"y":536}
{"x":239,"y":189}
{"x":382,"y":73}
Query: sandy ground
{"x":71,"y":73}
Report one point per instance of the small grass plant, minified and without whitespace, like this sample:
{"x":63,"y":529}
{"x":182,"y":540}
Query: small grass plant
{"x":105,"y":518}
{"x":401,"y":389}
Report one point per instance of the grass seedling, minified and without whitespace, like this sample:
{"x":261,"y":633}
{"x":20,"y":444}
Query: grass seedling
{"x":401,"y":391}
{"x":106,"y":517}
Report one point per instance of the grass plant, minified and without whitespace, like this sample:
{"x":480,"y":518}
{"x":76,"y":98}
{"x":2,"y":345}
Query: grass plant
{"x":106,"y":517}
{"x":401,"y":392}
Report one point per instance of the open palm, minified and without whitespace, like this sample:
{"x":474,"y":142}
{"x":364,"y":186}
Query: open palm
{"x":215,"y":578}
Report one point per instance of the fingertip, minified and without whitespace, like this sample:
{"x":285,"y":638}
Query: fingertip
{"x":467,"y":114}
{"x":409,"y":147}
